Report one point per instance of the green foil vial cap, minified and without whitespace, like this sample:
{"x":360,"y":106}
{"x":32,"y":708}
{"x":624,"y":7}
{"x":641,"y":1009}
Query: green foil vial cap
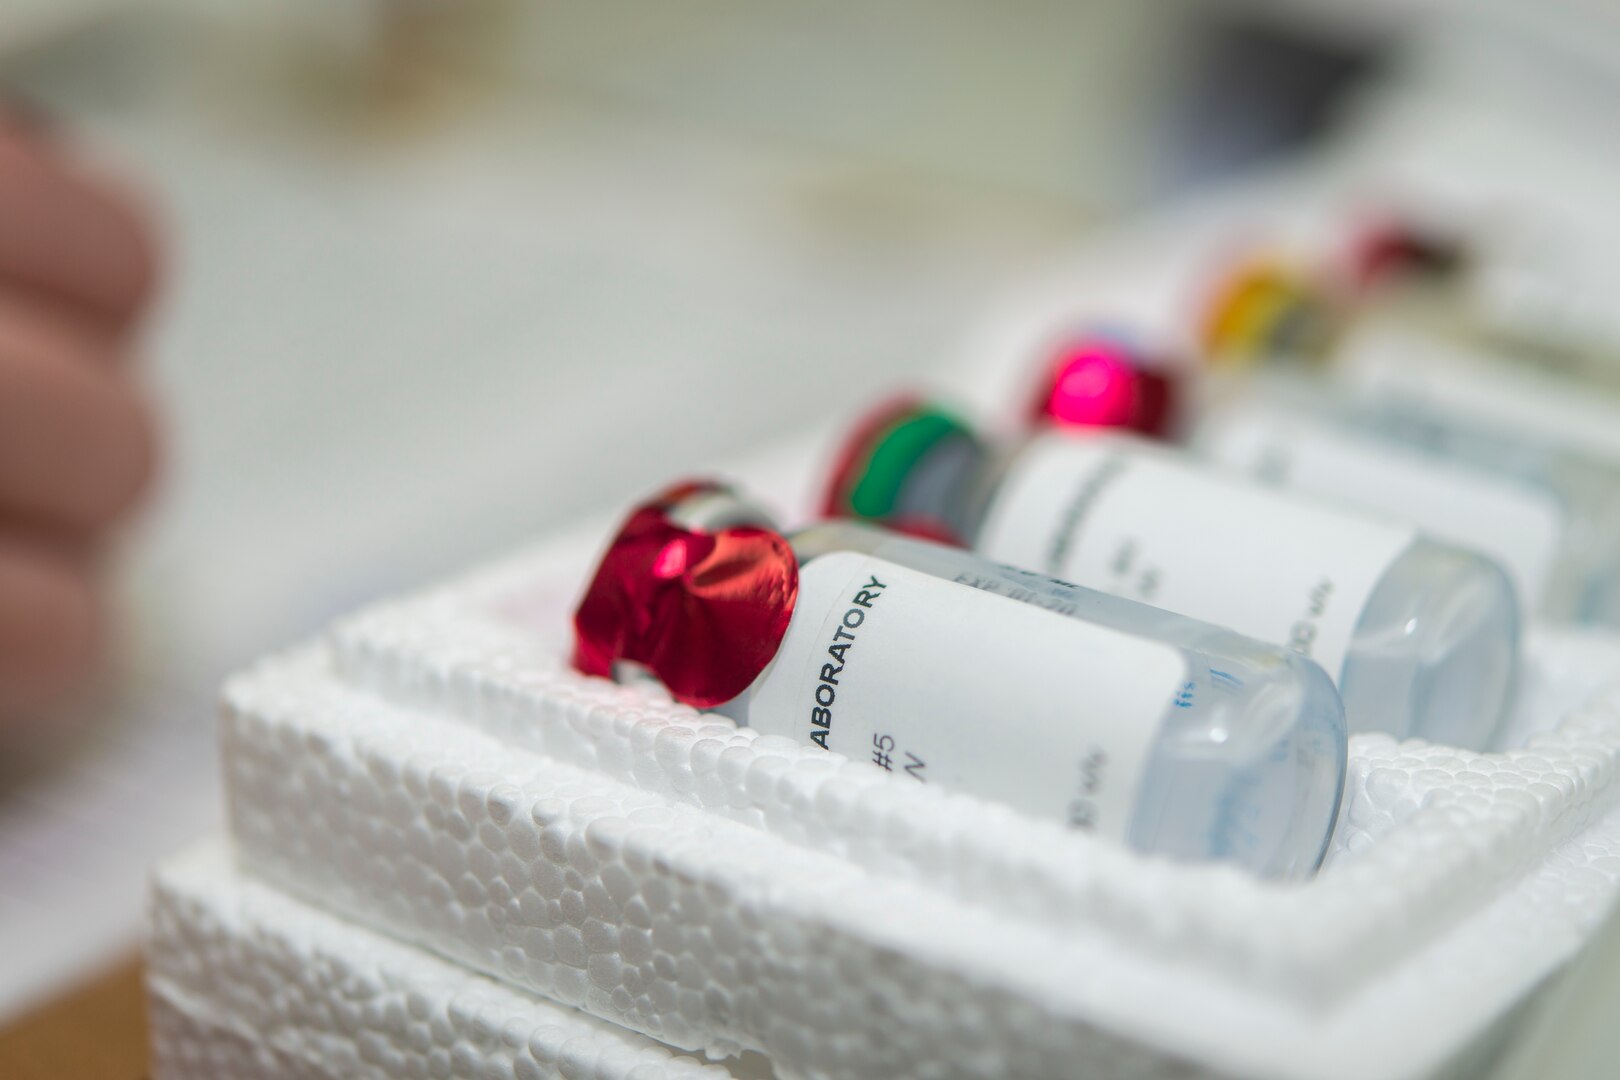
{"x":898,"y":467}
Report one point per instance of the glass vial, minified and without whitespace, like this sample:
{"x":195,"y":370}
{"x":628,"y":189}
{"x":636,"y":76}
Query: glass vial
{"x":1422,"y":637}
{"x":1138,"y":726}
{"x":1173,"y":737}
{"x":1388,"y":364}
{"x":1551,"y":518}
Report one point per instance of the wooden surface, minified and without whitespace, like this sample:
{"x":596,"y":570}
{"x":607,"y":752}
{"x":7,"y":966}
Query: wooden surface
{"x":95,"y":1032}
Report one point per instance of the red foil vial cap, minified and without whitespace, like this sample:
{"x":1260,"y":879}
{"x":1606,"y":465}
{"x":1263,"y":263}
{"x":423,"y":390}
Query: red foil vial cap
{"x":703,"y":611}
{"x":1391,"y":247}
{"x":1097,"y":381}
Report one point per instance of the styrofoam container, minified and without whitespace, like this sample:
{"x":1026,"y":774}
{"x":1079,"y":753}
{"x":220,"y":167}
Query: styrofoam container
{"x":433,"y":769}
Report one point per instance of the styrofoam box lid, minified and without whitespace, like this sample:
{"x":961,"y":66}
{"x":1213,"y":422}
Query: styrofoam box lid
{"x":434,"y":770}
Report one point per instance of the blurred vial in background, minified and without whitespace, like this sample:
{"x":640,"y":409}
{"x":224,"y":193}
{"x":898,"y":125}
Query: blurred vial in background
{"x":1405,"y":410}
{"x":1391,"y":360}
{"x":1422,"y":637}
{"x":1551,"y":518}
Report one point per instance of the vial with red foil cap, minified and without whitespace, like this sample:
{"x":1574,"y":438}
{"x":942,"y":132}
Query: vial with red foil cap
{"x":1171,"y":736}
{"x":1422,"y":637}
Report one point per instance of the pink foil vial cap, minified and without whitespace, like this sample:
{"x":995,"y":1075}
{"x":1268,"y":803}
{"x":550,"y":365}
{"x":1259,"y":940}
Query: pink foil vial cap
{"x":1098,"y":381}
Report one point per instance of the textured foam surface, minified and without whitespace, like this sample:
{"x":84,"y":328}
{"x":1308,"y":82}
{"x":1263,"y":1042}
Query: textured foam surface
{"x":434,"y":770}
{"x":247,"y":983}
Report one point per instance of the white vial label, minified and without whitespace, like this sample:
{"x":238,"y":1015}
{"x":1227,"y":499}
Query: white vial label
{"x":1445,"y":376}
{"x":1517,"y":525}
{"x":1125,"y":518}
{"x":938,"y":682}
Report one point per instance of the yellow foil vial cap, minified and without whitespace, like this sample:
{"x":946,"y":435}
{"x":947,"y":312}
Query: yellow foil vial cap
{"x":1266,"y":310}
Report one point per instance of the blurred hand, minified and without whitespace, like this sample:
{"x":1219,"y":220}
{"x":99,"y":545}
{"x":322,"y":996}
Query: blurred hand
{"x":77,"y":267}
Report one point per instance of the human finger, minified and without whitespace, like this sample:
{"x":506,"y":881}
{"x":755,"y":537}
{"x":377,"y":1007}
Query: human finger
{"x":42,"y":322}
{"x":50,"y":627}
{"x":67,"y":232}
{"x":77,"y":442}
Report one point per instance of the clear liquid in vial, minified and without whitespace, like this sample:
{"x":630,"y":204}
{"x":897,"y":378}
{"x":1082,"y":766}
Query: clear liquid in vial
{"x":1238,"y":756}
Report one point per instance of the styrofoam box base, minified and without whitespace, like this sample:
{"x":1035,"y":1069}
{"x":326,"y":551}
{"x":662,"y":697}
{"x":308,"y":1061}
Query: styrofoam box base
{"x":433,"y":770}
{"x":247,"y":983}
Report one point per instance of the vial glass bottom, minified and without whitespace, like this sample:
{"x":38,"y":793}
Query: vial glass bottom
{"x":1438,"y":640}
{"x":1254,"y":776}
